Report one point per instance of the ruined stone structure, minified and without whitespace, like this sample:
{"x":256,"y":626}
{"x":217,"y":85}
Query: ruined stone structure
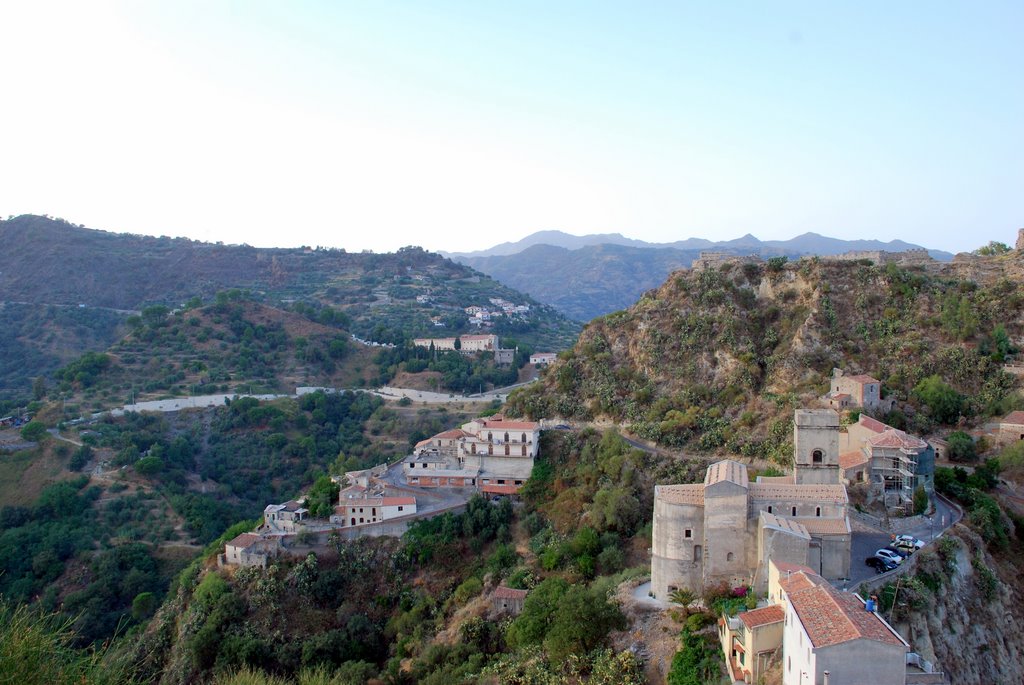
{"x":728,"y":529}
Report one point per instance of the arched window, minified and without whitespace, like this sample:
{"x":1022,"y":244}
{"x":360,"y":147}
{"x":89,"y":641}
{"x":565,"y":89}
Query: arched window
{"x":524,"y":450}
{"x":523,"y":439}
{"x":817,"y":511}
{"x":769,"y":508}
{"x":729,"y":556}
{"x":490,"y":437}
{"x":817,"y":456}
{"x":506,"y":437}
{"x":506,"y":449}
{"x":794,"y":511}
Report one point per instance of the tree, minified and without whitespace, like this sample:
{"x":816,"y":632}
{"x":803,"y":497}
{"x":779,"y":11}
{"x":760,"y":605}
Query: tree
{"x":961,"y":446}
{"x":38,"y":388}
{"x":945,"y":403}
{"x":994,"y":247}
{"x":33,"y":431}
{"x":458,"y":343}
{"x":143,"y":605}
{"x":322,"y":497}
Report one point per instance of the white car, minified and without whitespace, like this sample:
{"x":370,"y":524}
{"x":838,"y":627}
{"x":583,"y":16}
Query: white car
{"x":889,"y":554}
{"x":910,"y":540}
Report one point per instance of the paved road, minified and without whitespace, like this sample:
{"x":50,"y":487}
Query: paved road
{"x":864,"y":543}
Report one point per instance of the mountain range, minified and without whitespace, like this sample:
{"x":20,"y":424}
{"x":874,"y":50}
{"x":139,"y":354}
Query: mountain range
{"x":592,"y":275}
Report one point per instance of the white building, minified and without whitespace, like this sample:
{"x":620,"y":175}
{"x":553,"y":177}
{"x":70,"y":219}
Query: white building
{"x":543,"y":358}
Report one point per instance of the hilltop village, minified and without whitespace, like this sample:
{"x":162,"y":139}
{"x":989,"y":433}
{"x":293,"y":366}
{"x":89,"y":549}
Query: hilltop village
{"x":491,"y":456}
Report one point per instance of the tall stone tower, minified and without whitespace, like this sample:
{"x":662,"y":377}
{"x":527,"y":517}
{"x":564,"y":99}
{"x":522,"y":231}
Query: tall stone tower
{"x":1020,"y":240}
{"x":816,"y":447}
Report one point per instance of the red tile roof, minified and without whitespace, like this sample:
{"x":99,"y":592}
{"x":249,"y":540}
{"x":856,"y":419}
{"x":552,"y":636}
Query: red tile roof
{"x":780,"y":491}
{"x":848,"y":460}
{"x":872,"y":424}
{"x":501,"y":489}
{"x":391,"y":501}
{"x":1015,"y":417}
{"x":763,"y":616}
{"x":800,"y":581}
{"x":502,"y":592}
{"x":897,"y":439}
{"x":244,"y":541}
{"x":453,"y":434}
{"x":825,"y":526}
{"x":831,"y":617}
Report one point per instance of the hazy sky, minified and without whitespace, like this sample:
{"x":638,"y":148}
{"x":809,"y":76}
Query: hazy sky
{"x":459,"y":125}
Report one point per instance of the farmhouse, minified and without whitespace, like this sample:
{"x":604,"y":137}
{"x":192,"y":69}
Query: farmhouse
{"x":493,"y":454}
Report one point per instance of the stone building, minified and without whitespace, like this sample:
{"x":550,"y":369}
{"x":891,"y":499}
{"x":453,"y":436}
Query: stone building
{"x":493,"y":454}
{"x":728,"y":529}
{"x":859,"y":390}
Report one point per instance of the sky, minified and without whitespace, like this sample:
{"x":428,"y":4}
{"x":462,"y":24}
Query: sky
{"x":456,"y":126}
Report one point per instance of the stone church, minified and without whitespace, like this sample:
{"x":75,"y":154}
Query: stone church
{"x":728,"y":529}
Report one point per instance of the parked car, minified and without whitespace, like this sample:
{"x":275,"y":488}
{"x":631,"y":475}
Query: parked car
{"x":880,"y":564}
{"x":903,"y":548}
{"x":889,"y":554}
{"x":918,"y":544}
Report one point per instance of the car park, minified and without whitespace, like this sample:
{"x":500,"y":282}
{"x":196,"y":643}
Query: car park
{"x":889,"y":554}
{"x":880,"y":564}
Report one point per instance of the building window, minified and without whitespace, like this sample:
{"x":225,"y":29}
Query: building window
{"x":524,"y":449}
{"x":817,"y":511}
{"x":698,"y":552}
{"x":523,"y":439}
{"x":360,"y":520}
{"x":816,"y":456}
{"x":506,"y":450}
{"x":400,"y":507}
{"x":769,"y":508}
{"x":789,"y":663}
{"x":688,"y":533}
{"x":729,"y":556}
{"x":794,"y":511}
{"x":501,"y":481}
{"x":506,"y":437}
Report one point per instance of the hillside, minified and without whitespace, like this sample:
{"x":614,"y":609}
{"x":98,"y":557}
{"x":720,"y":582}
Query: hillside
{"x":589,"y":276}
{"x":67,"y":289}
{"x":715,"y":359}
{"x":588,"y":281}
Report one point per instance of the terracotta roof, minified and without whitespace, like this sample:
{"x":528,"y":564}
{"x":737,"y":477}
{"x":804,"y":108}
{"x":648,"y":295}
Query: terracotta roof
{"x":502,"y":592}
{"x":428,"y":441}
{"x":848,"y":460}
{"x":786,"y":567}
{"x":778,"y":491}
{"x":831,"y":617}
{"x":452,"y":434}
{"x":763,"y":616}
{"x":897,"y":439}
{"x":727,"y":470}
{"x":244,"y":541}
{"x":800,"y":581}
{"x":839,"y":395}
{"x":501,"y":489}
{"x":825,"y":526}
{"x":1014,"y":417}
{"x":392,"y":501}
{"x":872,"y":424}
{"x":681,"y":494}
{"x":863,"y":378}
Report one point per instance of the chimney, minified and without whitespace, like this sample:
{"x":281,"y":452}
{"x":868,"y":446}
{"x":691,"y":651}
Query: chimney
{"x":825,"y":681}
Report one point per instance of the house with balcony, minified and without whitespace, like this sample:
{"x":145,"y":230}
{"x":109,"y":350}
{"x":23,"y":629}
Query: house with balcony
{"x":493,"y":454}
